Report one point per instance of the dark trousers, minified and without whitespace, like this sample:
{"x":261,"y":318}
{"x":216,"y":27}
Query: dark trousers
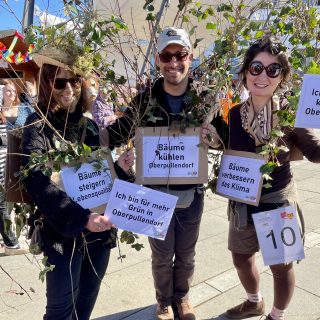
{"x":173,"y":258}
{"x":8,"y":236}
{"x":82,"y":275}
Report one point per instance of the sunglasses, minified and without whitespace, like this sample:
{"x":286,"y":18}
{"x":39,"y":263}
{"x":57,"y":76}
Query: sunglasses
{"x":61,"y":83}
{"x":272,"y":70}
{"x":166,"y":57}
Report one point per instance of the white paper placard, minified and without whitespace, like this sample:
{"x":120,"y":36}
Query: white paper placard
{"x":239,"y":177}
{"x":175,"y":156}
{"x":88,"y":186}
{"x":139,"y":209}
{"x":168,"y":156}
{"x":308,"y":113}
{"x":279,"y":235}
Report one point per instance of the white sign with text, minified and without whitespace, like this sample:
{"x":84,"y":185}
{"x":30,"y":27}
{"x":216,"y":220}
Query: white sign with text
{"x":171,"y":156}
{"x":279,"y":235}
{"x":88,"y":186}
{"x":239,"y":177}
{"x":308,"y":113}
{"x":139,"y":209}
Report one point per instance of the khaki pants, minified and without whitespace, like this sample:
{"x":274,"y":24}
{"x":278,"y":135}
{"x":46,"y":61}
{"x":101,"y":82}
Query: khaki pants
{"x":173,"y":258}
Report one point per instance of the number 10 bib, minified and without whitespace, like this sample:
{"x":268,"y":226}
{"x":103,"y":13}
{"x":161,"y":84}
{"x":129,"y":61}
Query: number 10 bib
{"x":279,"y":235}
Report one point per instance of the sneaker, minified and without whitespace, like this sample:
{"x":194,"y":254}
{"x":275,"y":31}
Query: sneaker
{"x":14,"y":246}
{"x":15,"y":250}
{"x":164,"y":312}
{"x":185,"y":310}
{"x":246,"y":309}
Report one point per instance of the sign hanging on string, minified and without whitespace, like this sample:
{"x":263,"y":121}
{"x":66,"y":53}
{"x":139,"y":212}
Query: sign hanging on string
{"x":239,"y":177}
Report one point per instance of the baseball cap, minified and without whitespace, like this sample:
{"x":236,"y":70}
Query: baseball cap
{"x":171,"y":35}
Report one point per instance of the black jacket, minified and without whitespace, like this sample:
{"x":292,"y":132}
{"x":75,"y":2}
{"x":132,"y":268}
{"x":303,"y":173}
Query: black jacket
{"x":64,"y":218}
{"x":152,"y":110}
{"x":303,"y":139}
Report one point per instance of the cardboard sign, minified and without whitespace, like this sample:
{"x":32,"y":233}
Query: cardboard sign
{"x":239,"y":177}
{"x":88,"y":186}
{"x":308,"y":113}
{"x":139,"y":209}
{"x":279,"y":235}
{"x":166,"y":157}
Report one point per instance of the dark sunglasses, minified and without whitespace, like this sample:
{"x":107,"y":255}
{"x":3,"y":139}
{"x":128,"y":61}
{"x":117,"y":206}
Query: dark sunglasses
{"x":272,"y":70}
{"x":166,"y":57}
{"x":61,"y":83}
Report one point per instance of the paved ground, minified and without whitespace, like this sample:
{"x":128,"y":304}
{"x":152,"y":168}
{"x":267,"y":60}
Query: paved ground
{"x":127,"y":292}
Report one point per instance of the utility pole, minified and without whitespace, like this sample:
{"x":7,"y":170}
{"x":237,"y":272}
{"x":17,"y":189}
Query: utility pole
{"x":154,"y":30}
{"x":28,"y":12}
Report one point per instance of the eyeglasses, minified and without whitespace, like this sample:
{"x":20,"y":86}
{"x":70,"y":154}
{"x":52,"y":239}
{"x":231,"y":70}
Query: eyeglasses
{"x":61,"y":83}
{"x":272,"y":70}
{"x":166,"y":57}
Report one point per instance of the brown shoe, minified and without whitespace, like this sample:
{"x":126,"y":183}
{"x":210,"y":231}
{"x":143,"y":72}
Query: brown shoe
{"x":185,"y":310}
{"x":246,"y":309}
{"x":164,"y":312}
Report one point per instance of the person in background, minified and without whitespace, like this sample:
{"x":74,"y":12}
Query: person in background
{"x":30,"y":94}
{"x":92,"y":93}
{"x":265,"y":72}
{"x":12,"y":108}
{"x":103,"y":109}
{"x":13,"y":115}
{"x":77,"y":241}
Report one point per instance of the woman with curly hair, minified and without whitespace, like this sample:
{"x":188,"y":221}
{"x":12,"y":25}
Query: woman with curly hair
{"x":265,"y":71}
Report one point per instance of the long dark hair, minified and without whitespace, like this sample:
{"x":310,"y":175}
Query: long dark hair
{"x":273,"y":46}
{"x":45,"y":98}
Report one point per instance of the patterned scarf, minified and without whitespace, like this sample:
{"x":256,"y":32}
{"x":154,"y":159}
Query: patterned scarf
{"x":259,"y":125}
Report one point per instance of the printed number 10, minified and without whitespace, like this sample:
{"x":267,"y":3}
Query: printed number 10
{"x":284,"y":241}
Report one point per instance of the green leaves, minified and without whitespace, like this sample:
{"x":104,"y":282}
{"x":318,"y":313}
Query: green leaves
{"x":151,"y":17}
{"x":147,"y":5}
{"x":211,"y":26}
{"x":277,"y":133}
{"x":224,"y":8}
{"x":197,"y":42}
{"x":131,"y":238}
{"x":313,"y":68}
{"x":47,"y":268}
{"x":268,"y":167}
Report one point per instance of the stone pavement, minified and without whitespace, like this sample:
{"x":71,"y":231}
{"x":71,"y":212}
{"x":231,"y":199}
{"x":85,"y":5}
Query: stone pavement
{"x":127,"y":291}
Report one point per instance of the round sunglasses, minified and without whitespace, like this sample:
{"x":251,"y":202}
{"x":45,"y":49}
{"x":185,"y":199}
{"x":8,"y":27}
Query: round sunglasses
{"x":272,"y":70}
{"x":61,"y":83}
{"x":166,"y":57}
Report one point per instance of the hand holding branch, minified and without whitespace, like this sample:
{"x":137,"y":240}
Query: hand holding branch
{"x":209,"y":135}
{"x":126,"y":160}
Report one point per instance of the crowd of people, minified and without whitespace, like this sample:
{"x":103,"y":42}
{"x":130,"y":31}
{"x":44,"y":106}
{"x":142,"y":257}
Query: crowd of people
{"x":78,"y":242}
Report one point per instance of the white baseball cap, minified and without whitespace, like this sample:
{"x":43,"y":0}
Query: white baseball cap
{"x":171,"y":35}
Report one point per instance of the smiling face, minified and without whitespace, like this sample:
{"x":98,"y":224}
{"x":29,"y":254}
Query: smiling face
{"x":9,"y":94}
{"x":68,"y":96}
{"x":262,"y":86}
{"x":175,"y":72}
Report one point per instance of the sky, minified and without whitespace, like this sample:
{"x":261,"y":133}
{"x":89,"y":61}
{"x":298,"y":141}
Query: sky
{"x":11,"y":12}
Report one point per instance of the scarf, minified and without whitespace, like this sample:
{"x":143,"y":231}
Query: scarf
{"x":259,"y":125}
